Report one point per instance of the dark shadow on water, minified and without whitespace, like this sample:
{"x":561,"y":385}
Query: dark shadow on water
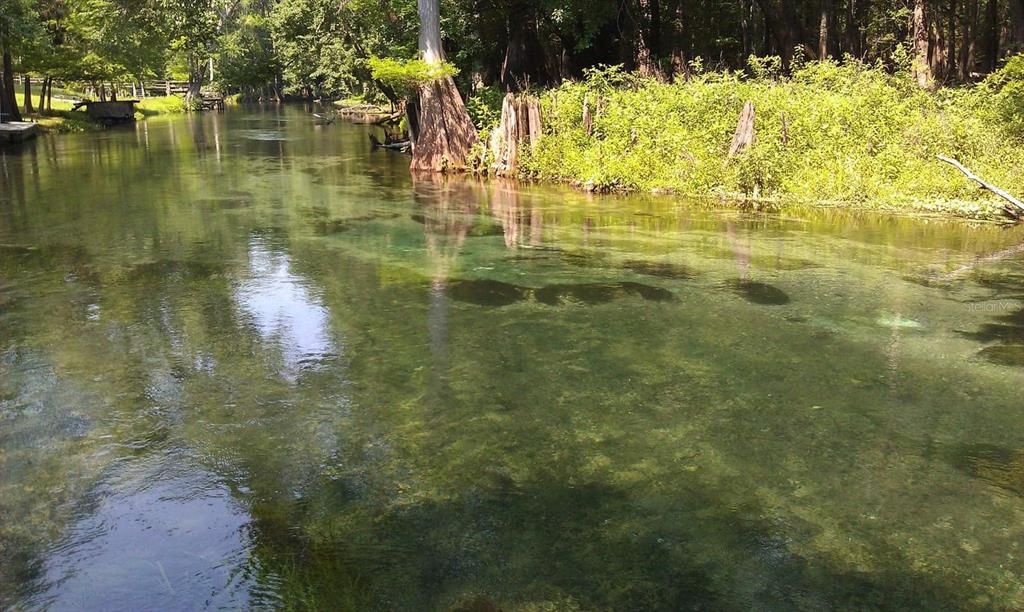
{"x":486,"y":292}
{"x":581,"y":546}
{"x":496,"y":293}
{"x":1005,"y":354}
{"x":1008,"y":332}
{"x":660,"y":269}
{"x":592,"y":294}
{"x":759,"y":293}
{"x":998,"y":466}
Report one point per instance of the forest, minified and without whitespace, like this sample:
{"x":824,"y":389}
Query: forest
{"x":854,"y":98}
{"x":323,"y":48}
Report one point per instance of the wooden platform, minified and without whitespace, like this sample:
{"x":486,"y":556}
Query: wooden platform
{"x":109,"y":112}
{"x":18,"y":131}
{"x":211,"y":101}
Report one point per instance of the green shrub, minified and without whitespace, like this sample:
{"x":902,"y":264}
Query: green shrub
{"x":848,"y":133}
{"x":484,"y":107}
{"x":407,"y":75}
{"x":163,"y":105}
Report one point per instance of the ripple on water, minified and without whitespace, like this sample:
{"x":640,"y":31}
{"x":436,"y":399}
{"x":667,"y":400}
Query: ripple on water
{"x":263,"y":135}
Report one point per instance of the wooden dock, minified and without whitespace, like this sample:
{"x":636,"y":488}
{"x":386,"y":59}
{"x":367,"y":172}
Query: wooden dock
{"x":211,"y":101}
{"x":17,"y":131}
{"x":116,"y":111}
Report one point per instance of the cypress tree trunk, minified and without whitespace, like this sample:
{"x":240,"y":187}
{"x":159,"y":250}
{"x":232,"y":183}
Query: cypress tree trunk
{"x":446,"y":132}
{"x":10,"y":107}
{"x":28,"y":96}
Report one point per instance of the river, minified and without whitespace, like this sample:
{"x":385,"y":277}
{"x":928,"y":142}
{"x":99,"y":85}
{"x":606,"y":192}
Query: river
{"x":247,"y":361}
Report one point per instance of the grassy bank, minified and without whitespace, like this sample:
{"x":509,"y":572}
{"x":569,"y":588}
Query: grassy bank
{"x":61,"y":119}
{"x":843,"y":135}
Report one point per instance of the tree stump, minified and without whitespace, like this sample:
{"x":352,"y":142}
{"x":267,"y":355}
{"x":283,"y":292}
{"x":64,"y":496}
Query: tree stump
{"x":744,"y":136}
{"x":588,"y":119}
{"x":520,"y":125}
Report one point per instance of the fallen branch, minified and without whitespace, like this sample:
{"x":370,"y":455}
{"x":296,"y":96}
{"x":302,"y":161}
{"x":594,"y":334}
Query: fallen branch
{"x":982,"y":260}
{"x":403,"y":146}
{"x":1016,"y":207}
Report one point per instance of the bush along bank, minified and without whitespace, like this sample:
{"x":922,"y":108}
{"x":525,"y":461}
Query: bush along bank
{"x":829,"y":134}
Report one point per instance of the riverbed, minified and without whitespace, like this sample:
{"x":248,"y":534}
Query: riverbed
{"x":246,"y":361}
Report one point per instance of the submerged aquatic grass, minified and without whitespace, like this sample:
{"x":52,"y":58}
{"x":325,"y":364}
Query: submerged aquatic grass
{"x":234,"y":386}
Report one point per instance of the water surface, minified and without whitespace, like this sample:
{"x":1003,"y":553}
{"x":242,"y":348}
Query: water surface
{"x":248,"y":362}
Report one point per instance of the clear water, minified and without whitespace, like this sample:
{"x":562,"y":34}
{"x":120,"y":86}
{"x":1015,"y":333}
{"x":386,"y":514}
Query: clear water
{"x":248,"y":362}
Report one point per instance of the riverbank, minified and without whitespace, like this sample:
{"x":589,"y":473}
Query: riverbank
{"x":845,"y":136}
{"x":62,"y":120}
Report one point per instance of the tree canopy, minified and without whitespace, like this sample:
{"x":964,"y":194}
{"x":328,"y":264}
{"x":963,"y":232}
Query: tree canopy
{"x":324,"y":48}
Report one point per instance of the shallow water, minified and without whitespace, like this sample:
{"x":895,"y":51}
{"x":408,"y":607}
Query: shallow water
{"x":246,"y":361}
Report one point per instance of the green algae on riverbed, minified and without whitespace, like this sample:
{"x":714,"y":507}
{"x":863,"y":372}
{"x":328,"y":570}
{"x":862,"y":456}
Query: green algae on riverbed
{"x":355,"y":394}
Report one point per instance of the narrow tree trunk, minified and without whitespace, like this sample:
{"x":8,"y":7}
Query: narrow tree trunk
{"x":681,"y":46}
{"x":968,"y":27}
{"x":195,"y":81}
{"x":919,"y":33}
{"x":647,"y":37}
{"x":781,"y":23}
{"x":49,"y":95}
{"x":446,"y":133}
{"x":42,"y":95}
{"x":745,"y":28}
{"x":1017,"y":25}
{"x":852,"y":29}
{"x":825,"y":28}
{"x":28,"y":96}
{"x":951,"y":61}
{"x":11,"y":112}
{"x":991,"y":36}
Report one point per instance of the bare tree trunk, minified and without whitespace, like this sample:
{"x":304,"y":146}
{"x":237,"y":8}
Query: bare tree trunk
{"x":28,"y":96}
{"x":647,"y":38}
{"x":195,"y":81}
{"x":785,"y":28}
{"x":49,"y":95}
{"x":852,"y":29}
{"x":42,"y":94}
{"x":446,"y":133}
{"x":1017,"y":26}
{"x":951,"y":59}
{"x":825,"y":28}
{"x":681,"y":44}
{"x":919,"y":29}
{"x":991,"y":36}
{"x":968,"y":27}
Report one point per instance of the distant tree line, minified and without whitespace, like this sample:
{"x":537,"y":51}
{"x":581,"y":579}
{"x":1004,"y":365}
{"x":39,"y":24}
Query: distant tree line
{"x":323,"y":48}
